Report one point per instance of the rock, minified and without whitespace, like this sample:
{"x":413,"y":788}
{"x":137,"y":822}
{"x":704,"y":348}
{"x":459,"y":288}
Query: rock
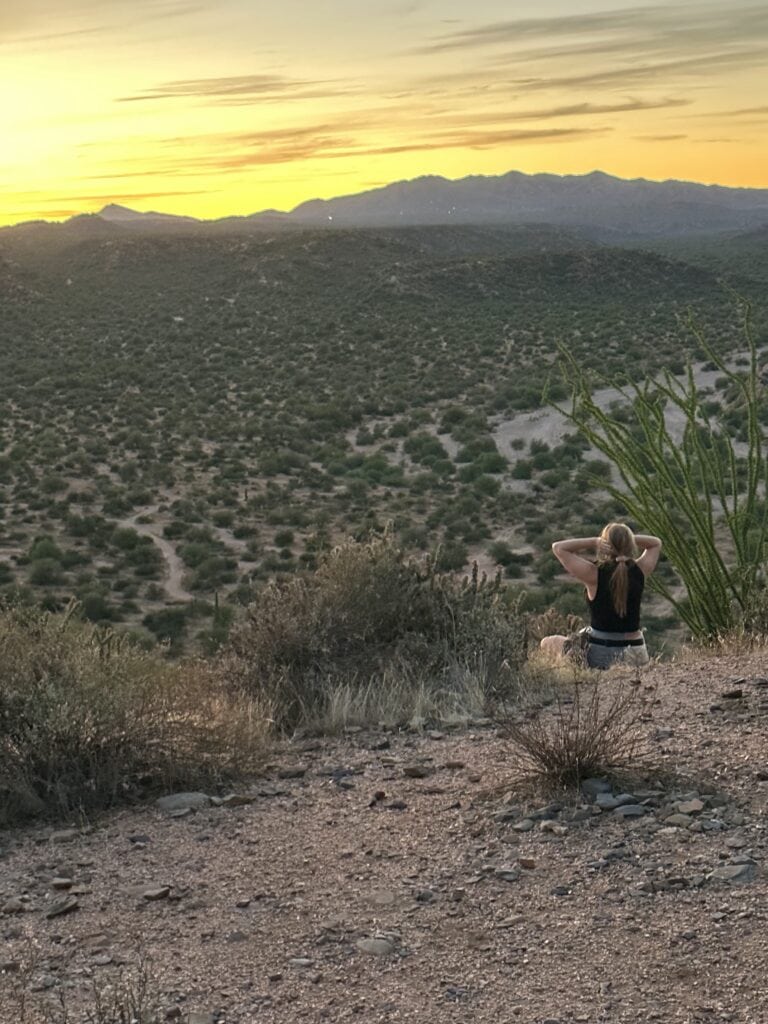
{"x":592,"y":787}
{"x":301,"y":962}
{"x":172,"y":1012}
{"x":630,"y":811}
{"x":183,"y":802}
{"x":507,"y":874}
{"x":295,"y":771}
{"x":10,"y":966}
{"x":425,"y":896}
{"x":182,"y":812}
{"x":375,"y":947}
{"x":139,"y":839}
{"x":435,"y":734}
{"x":66,"y":835}
{"x":237,"y":800}
{"x":454,"y":765}
{"x":606,"y":801}
{"x":397,"y":805}
{"x":678,"y":821}
{"x":736,"y":694}
{"x":545,"y":813}
{"x":160,"y":892}
{"x":554,"y":828}
{"x":13,"y":906}
{"x":509,"y":814}
{"x":62,"y":883}
{"x":243,"y":904}
{"x":523,"y":826}
{"x":694,"y":806}
{"x":382,"y":898}
{"x":626,"y":798}
{"x":528,"y":863}
{"x":735,"y":842}
{"x":102,"y":960}
{"x":236,"y":936}
{"x":62,"y":907}
{"x":42,"y":983}
{"x":734,"y":874}
{"x":417,"y":771}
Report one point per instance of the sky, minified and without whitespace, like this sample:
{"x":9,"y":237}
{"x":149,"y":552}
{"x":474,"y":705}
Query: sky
{"x":218,"y":107}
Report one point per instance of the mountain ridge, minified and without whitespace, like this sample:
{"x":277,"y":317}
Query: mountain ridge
{"x":595,"y":201}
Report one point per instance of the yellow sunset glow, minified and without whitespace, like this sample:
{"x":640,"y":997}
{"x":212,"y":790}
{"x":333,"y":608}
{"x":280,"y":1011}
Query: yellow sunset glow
{"x":229,"y":107}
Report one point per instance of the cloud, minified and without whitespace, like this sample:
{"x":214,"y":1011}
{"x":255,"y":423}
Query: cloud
{"x":677,"y":25}
{"x":113,"y":197}
{"x":642,"y":73}
{"x":328,"y":147}
{"x":20,"y":20}
{"x":660,"y":138}
{"x":535,"y":28}
{"x":484,"y":140}
{"x":239,"y":89}
{"x":567,"y":110}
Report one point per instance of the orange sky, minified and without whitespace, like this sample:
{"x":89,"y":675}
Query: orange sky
{"x":212,"y":108}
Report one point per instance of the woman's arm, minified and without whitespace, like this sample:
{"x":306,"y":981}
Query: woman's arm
{"x":565,"y":552}
{"x":651,"y":549}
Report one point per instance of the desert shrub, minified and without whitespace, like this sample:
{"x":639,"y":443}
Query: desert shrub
{"x":594,"y":730}
{"x":45,"y":572}
{"x":365,"y":614}
{"x":87,"y":717}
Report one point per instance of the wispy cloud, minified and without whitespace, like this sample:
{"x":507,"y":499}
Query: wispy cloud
{"x":240,"y":88}
{"x":125,"y":197}
{"x":511,"y":115}
{"x":18,"y":18}
{"x":678,"y":24}
{"x":660,"y":138}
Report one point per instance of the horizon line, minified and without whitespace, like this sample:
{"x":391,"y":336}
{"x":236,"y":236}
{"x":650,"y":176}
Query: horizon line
{"x":68,"y":216}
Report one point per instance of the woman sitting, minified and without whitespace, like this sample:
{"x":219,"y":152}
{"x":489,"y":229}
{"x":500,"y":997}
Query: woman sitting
{"x":614,"y":586}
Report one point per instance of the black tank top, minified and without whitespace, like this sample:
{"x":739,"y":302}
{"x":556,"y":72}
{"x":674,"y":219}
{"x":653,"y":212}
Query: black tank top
{"x":604,"y":616}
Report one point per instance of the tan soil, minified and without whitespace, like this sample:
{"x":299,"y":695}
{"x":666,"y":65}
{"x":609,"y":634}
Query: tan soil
{"x":322,"y":869}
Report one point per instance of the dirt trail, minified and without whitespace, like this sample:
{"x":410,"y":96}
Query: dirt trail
{"x":551,"y":426}
{"x":175,"y":568}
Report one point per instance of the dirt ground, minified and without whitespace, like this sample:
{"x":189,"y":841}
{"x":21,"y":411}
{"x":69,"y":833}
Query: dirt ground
{"x":373,"y":878}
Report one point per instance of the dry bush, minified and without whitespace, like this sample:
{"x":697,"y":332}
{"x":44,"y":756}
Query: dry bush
{"x":594,"y":730}
{"x":87,"y":718}
{"x":128,"y":994}
{"x":553,"y":622}
{"x":370,"y":620}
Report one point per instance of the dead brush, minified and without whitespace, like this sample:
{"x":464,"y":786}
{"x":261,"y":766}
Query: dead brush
{"x":129,"y":995}
{"x":594,"y":729}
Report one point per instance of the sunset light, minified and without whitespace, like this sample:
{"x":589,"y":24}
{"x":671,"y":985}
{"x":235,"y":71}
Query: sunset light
{"x":209,"y":109}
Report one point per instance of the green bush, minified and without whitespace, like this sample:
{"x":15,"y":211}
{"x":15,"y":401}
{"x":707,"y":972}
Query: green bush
{"x":365,"y":614}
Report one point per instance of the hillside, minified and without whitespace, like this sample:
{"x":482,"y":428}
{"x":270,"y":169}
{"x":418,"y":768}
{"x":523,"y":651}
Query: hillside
{"x":406,"y":877}
{"x":188,"y":417}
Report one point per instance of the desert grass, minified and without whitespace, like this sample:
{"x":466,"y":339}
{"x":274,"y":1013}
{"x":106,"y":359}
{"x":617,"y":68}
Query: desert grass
{"x":89,"y":719}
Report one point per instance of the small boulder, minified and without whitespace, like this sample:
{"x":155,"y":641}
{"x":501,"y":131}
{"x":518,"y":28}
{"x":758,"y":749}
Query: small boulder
{"x":375,"y":947}
{"x":183,"y":802}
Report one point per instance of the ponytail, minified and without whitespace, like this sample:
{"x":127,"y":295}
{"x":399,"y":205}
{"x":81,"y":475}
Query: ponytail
{"x":619,"y":586}
{"x":617,"y":548}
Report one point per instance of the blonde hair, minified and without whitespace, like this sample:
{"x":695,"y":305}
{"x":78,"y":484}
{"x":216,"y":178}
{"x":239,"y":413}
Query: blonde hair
{"x":617,"y":547}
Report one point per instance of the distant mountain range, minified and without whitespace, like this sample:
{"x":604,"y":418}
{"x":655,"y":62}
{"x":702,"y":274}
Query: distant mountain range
{"x":597,"y":204}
